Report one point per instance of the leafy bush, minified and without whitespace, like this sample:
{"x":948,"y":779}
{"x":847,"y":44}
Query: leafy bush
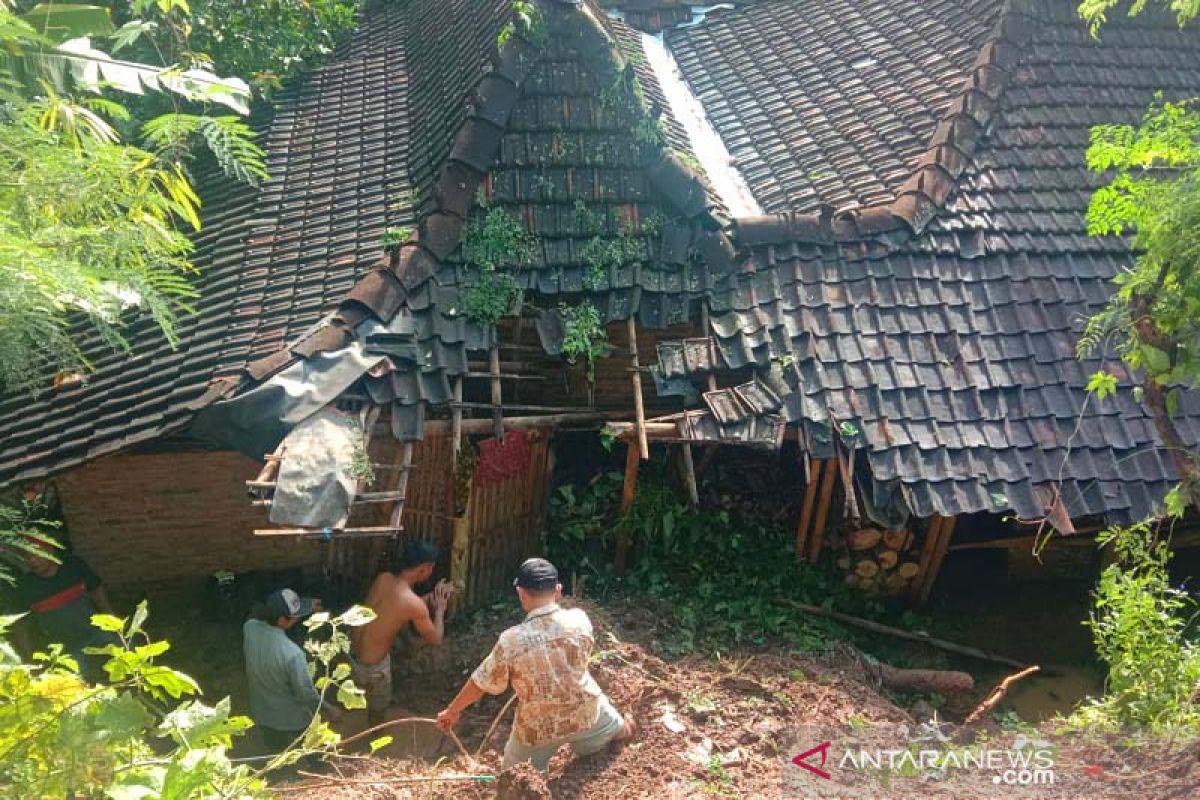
{"x":131,"y":737}
{"x":1138,"y":623}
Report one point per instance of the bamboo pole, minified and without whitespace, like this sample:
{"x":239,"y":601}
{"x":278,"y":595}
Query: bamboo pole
{"x":806,"y":508}
{"x":456,"y":418}
{"x":628,"y":492}
{"x":939,"y":555}
{"x":818,"y":531}
{"x":706,"y":324}
{"x":636,"y":376}
{"x":497,"y":392}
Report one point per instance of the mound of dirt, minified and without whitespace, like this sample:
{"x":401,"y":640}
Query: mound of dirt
{"x":522,"y":782}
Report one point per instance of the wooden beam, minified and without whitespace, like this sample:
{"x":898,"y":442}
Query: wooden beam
{"x":406,"y":456}
{"x":939,"y":555}
{"x":639,"y":407}
{"x":336,"y":533}
{"x":628,"y":493}
{"x":474,"y":426}
{"x":818,"y":531}
{"x":516,"y":407}
{"x":806,"y":508}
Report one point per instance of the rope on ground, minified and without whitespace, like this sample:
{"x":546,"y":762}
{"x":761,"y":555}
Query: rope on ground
{"x":404,"y":720}
{"x":488,"y":736}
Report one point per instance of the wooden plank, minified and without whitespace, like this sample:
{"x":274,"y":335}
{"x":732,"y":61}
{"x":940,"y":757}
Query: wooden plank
{"x":310,"y":533}
{"x":806,"y":507}
{"x":818,"y":532}
{"x":516,"y":407}
{"x":406,"y":457}
{"x":472,"y":426}
{"x":939,"y":555}
{"x":639,"y":406}
{"x":628,"y":493}
{"x":927,"y":548}
{"x":505,"y":376}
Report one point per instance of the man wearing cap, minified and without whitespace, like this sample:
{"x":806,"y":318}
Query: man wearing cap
{"x":283,"y":698}
{"x":545,"y":658}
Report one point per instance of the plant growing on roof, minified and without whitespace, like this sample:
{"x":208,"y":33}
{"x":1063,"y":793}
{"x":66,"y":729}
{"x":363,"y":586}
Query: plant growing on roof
{"x":499,"y":247}
{"x":583,"y":336}
{"x":394,"y":237}
{"x":528,"y":20}
{"x":601,"y":254}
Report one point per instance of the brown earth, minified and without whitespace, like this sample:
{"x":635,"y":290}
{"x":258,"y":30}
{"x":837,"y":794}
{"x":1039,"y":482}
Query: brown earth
{"x":721,"y":727}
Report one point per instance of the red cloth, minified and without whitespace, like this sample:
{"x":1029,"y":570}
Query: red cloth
{"x":501,"y":460}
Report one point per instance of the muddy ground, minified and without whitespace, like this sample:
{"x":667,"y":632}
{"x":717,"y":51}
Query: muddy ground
{"x":728,"y":727}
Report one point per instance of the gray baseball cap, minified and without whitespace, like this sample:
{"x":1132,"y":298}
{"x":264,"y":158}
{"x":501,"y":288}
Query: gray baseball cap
{"x":286,"y":603}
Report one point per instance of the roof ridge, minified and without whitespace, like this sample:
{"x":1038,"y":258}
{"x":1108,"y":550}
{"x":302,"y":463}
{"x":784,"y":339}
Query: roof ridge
{"x":383,"y":291}
{"x":935,"y":176}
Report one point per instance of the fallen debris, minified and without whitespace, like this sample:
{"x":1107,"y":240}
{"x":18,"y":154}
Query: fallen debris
{"x":996,"y":696}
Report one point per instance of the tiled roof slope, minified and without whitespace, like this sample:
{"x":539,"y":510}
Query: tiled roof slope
{"x":273,"y":261}
{"x":830,"y":101}
{"x":556,"y":138}
{"x":955,"y":354}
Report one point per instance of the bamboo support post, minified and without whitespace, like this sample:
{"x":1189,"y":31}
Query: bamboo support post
{"x":927,"y":548}
{"x":706,"y":324}
{"x":456,"y":417}
{"x":638,"y":404}
{"x":497,"y":392}
{"x":337,"y":533}
{"x":628,"y":492}
{"x":935,"y":564}
{"x":823,"y":502}
{"x":689,"y":475}
{"x":806,"y":508}
{"x":406,"y":454}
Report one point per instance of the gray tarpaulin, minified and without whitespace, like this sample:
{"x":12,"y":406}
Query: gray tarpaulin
{"x":315,"y":488}
{"x":255,"y":423}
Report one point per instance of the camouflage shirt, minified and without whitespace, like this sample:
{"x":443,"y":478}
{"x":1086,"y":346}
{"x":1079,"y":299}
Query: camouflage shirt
{"x":546,"y":659}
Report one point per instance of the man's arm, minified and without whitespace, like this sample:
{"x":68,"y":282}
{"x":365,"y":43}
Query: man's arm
{"x":433,"y":630}
{"x":301,"y":682}
{"x":470,"y":693}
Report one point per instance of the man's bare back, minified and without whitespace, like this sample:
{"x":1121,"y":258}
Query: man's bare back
{"x":396,"y":605}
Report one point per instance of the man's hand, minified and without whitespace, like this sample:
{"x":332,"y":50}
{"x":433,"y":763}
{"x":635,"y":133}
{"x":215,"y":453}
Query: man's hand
{"x":447,"y":718}
{"x":442,"y":594}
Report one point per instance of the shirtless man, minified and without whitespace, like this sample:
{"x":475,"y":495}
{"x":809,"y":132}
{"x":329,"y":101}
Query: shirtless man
{"x":395,"y":604}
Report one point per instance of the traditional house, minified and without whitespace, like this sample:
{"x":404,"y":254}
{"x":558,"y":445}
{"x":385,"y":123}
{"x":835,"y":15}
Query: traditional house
{"x":858,"y":227}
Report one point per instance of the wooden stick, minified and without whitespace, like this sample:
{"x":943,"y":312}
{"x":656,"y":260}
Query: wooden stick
{"x":927,"y":548}
{"x":303,"y":787}
{"x":518,"y":407}
{"x":471,"y":426}
{"x":939,"y":555}
{"x":806,"y":507}
{"x":391,"y":723}
{"x":818,"y":531}
{"x":505,"y":376}
{"x":997,"y":695}
{"x":628,"y":492}
{"x":900,"y":633}
{"x":639,"y":407}
{"x":456,"y":418}
{"x":497,"y":394}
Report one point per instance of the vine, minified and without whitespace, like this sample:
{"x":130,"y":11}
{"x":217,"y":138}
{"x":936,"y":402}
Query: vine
{"x":529,"y":21}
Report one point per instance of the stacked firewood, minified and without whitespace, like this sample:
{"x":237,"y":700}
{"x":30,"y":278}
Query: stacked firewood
{"x":876,"y":561}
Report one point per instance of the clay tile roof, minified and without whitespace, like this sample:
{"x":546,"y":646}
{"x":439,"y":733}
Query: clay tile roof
{"x":953,"y":352}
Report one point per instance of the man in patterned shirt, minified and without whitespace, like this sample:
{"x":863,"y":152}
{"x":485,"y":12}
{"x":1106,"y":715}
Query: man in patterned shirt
{"x":546,"y":660}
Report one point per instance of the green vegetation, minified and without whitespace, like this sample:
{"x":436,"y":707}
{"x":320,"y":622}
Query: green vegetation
{"x":584,"y":336}
{"x":1141,"y":629}
{"x":500,"y":247}
{"x":141,"y":733}
{"x":103,"y":112}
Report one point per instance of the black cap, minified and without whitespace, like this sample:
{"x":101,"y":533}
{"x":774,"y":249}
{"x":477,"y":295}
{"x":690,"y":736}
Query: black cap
{"x":537,"y":574}
{"x":286,"y":603}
